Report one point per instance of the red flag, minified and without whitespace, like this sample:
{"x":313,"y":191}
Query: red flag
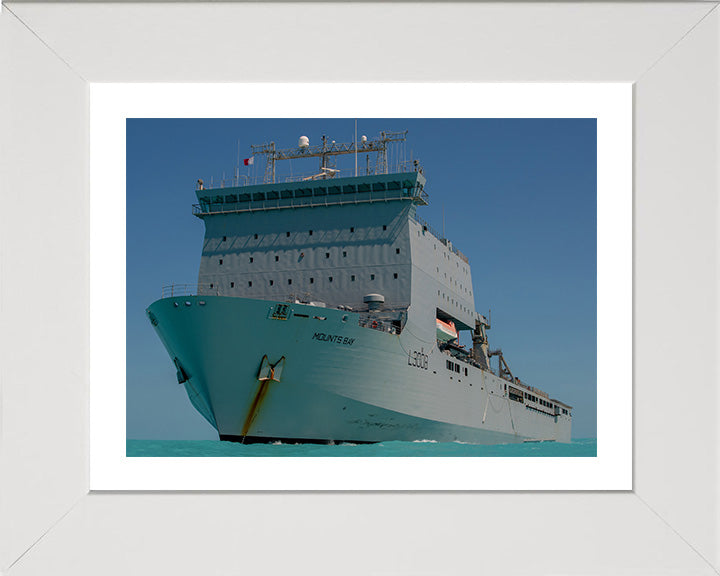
{"x":249,"y":161}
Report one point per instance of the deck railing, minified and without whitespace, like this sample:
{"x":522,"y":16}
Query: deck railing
{"x":259,"y":178}
{"x":188,"y":290}
{"x":440,"y":237}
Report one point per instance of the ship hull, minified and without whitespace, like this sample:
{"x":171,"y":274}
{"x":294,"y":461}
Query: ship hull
{"x":332,"y":380}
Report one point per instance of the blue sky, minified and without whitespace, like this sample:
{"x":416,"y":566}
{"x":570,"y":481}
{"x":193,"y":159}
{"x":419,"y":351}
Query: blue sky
{"x":519,"y":199}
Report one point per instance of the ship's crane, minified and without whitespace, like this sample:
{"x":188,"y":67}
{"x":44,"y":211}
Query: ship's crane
{"x":480,"y":342}
{"x":503,"y":368}
{"x":324,"y":151}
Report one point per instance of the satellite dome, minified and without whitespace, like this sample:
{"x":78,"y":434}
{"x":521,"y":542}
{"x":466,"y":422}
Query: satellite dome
{"x":304,"y":142}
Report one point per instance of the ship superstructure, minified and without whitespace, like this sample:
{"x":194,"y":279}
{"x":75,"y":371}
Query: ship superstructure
{"x":327,"y":310}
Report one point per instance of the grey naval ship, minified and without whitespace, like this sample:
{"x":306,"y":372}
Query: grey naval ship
{"x":327,"y":310}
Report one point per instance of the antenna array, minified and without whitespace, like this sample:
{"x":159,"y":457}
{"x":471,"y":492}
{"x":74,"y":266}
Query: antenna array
{"x":327,"y":150}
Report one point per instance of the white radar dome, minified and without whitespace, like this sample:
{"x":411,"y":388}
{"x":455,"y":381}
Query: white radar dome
{"x":364,"y":138}
{"x":304,"y":142}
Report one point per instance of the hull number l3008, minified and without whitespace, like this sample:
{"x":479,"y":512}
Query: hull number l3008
{"x":418,"y":359}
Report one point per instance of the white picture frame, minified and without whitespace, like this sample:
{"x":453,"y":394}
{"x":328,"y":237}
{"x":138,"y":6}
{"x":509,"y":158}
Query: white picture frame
{"x":611,"y":107}
{"x":669,"y":522}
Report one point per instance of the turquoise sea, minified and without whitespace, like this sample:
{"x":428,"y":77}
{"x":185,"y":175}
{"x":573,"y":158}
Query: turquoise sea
{"x":216,"y":448}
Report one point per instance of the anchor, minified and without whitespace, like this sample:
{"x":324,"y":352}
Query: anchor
{"x":266,"y":374}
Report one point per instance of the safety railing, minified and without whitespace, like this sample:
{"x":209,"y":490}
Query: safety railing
{"x":187,"y":290}
{"x":241,"y":180}
{"x":378,"y":325}
{"x":440,"y":237}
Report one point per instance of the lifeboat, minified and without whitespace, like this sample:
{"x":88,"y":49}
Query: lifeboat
{"x":445,"y":330}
